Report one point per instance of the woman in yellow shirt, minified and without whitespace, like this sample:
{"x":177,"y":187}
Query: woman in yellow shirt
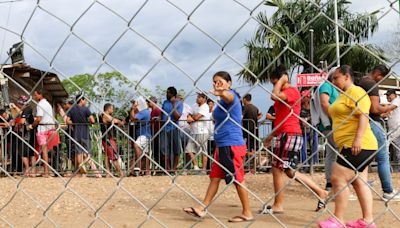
{"x":357,"y":145}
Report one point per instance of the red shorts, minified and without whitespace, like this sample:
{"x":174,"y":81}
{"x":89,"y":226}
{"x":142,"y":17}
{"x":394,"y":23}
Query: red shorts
{"x":231,"y":157}
{"x":50,"y":138}
{"x":110,"y":147}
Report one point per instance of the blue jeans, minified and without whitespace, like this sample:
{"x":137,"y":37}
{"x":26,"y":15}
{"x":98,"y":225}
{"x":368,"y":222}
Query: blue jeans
{"x":382,"y":157}
{"x":312,"y":140}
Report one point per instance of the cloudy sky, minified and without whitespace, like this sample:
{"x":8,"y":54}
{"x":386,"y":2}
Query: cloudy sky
{"x":82,"y":36}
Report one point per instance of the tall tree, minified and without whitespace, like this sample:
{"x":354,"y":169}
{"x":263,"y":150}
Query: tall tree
{"x":289,"y":27}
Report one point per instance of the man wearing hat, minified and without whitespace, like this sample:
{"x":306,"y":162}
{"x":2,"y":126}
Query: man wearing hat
{"x":394,"y":121}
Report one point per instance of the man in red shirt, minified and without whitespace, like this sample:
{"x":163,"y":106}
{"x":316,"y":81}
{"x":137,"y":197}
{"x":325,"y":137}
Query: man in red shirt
{"x":286,"y":151}
{"x":155,"y":118}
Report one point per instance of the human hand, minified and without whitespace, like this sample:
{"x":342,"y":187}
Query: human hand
{"x":356,"y":148}
{"x":172,"y":100}
{"x":29,"y":127}
{"x":219,"y":88}
{"x":267,"y":141}
{"x":190,"y":119}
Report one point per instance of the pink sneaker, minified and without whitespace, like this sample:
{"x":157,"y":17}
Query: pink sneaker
{"x":330,"y":223}
{"x":360,"y":223}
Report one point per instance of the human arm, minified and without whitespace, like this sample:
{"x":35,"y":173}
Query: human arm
{"x":222,"y":90}
{"x":324,"y":102}
{"x":361,"y":128}
{"x":377,"y":108}
{"x":277,"y":93}
{"x":270,"y":117}
{"x":175,"y":106}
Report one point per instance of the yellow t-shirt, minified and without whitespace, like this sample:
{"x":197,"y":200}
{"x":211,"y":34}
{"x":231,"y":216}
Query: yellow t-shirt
{"x":343,"y":108}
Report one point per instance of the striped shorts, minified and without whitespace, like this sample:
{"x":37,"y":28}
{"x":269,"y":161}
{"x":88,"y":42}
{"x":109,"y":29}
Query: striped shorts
{"x":287,"y":149}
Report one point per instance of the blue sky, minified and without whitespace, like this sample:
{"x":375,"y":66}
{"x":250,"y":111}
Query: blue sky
{"x":193,"y":53}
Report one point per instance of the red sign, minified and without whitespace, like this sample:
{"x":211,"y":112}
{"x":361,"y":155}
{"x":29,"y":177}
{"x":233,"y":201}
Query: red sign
{"x":307,"y":80}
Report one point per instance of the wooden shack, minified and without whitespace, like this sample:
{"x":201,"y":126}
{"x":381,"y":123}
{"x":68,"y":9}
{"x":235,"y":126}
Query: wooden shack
{"x":22,"y":77}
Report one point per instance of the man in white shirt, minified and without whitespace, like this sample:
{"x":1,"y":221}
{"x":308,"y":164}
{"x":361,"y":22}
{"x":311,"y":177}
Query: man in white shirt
{"x":198,"y":121}
{"x":46,"y":136}
{"x":394,"y":121}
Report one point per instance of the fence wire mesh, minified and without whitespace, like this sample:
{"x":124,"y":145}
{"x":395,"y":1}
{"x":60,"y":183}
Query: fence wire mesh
{"x":142,"y":47}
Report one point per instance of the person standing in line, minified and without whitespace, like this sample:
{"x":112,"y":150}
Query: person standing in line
{"x":327,"y":95}
{"x":251,"y":115}
{"x":25,"y":116}
{"x":155,"y":117}
{"x":370,"y":84}
{"x":394,"y":122}
{"x":109,"y":137}
{"x":170,"y":135}
{"x":142,"y":117}
{"x":78,"y":118}
{"x":199,"y":129}
{"x":357,"y":145}
{"x":231,"y":149}
{"x":288,"y":140}
{"x":46,"y":136}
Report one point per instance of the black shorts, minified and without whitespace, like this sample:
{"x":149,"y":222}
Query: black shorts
{"x":26,"y":149}
{"x":360,"y":161}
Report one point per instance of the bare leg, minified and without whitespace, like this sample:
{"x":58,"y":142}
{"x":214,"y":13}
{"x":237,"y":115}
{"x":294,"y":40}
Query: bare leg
{"x":46,"y":159}
{"x":176,"y":160}
{"x":205,"y":160}
{"x":340,"y":177}
{"x":118,"y":168}
{"x":107,"y":163}
{"x":138,"y":153}
{"x":277,"y":175}
{"x":192,"y":158}
{"x":167,"y":163}
{"x":364,"y":195}
{"x":25,"y":160}
{"x":211,"y":191}
{"x":307,"y":181}
{"x":244,"y":199}
{"x":33,"y":162}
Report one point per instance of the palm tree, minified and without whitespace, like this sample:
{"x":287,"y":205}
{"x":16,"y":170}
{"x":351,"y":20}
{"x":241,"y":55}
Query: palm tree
{"x":284,"y":38}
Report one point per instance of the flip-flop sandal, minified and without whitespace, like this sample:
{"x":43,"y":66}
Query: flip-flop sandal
{"x":321,"y":205}
{"x":240,"y":218}
{"x":268,"y":210}
{"x":193,"y":212}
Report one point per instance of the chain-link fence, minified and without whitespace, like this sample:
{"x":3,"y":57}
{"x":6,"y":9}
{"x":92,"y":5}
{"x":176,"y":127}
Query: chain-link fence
{"x":145,"y":158}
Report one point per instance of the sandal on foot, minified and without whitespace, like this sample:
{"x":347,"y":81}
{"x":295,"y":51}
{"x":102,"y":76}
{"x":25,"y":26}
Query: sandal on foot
{"x":240,"y":218}
{"x":321,"y":205}
{"x":195,"y":213}
{"x":268,"y":210}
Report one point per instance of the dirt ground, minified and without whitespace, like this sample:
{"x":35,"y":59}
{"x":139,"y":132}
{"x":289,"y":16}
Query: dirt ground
{"x":122,"y":204}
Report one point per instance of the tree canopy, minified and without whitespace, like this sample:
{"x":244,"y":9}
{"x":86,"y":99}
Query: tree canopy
{"x":288,"y":29}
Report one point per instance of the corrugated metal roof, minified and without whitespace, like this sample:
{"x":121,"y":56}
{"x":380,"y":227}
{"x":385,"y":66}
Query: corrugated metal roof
{"x":31,"y":76}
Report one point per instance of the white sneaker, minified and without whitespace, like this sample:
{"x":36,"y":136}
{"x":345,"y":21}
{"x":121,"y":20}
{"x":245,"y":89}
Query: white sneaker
{"x":393,"y":196}
{"x":352,"y":197}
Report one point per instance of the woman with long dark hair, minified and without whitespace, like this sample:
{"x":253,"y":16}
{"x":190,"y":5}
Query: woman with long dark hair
{"x":231,"y":148}
{"x":357,"y":145}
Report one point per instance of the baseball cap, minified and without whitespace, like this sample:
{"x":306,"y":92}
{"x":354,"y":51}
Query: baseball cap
{"x":390,"y":92}
{"x":306,"y":93}
{"x":22,"y":99}
{"x":153,"y":99}
{"x":202,"y":94}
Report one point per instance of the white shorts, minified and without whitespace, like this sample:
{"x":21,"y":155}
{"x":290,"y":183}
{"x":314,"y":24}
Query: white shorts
{"x":202,"y":139}
{"x":144,"y":143}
